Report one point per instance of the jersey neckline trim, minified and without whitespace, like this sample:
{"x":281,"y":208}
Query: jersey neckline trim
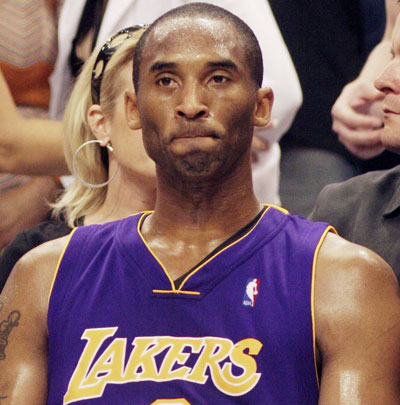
{"x":215,"y":253}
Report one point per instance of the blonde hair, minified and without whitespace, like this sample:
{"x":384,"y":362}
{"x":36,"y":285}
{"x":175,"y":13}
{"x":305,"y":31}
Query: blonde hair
{"x":79,"y":200}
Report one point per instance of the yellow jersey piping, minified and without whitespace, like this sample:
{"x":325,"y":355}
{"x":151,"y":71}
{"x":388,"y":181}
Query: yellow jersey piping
{"x":327,"y":230}
{"x":58,"y":264}
{"x":179,"y":290}
{"x":277,"y":207}
{"x":222,"y":250}
{"x":139,"y":225}
{"x":176,"y":292}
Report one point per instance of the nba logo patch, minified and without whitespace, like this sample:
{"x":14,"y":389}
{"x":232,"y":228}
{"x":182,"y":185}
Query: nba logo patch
{"x":251,"y":292}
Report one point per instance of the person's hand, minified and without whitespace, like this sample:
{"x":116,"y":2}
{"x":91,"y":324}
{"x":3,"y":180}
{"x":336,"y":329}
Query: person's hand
{"x":357,"y":118}
{"x":24,"y":206}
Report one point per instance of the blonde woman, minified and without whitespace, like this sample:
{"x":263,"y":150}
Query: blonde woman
{"x":114,"y":177}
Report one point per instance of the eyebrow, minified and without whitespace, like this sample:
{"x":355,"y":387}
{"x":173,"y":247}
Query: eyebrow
{"x":226,"y":63}
{"x":157,"y":66}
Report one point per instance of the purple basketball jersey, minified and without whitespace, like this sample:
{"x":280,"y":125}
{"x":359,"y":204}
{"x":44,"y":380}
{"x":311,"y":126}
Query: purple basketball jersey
{"x":238,"y":330}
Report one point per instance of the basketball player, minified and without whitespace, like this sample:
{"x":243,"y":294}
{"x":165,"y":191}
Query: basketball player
{"x":155,"y":308}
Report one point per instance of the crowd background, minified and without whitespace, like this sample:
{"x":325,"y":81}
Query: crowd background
{"x":328,"y":43}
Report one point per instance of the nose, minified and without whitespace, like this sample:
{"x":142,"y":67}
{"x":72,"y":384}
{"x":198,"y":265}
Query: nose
{"x":192,"y":102}
{"x":389,"y":80}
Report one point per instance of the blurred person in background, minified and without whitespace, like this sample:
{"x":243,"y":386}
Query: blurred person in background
{"x":114,"y":177}
{"x":329,"y":42}
{"x":366,"y":208}
{"x":28,"y":49}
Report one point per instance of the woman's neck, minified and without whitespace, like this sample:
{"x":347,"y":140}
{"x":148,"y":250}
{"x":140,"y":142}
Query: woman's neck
{"x":123,"y":199}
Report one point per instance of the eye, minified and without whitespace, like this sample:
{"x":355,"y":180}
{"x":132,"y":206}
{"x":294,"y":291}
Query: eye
{"x":165,"y":81}
{"x":218,"y":79}
{"x":392,"y":53}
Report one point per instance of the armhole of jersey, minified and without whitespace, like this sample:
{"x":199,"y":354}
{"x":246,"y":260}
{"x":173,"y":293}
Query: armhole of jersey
{"x":58,"y":265}
{"x":317,"y":249}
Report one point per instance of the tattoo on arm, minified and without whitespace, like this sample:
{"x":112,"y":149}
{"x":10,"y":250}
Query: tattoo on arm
{"x":5,"y":330}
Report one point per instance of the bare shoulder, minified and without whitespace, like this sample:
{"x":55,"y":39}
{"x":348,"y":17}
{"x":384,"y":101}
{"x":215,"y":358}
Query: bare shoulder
{"x":357,"y":324}
{"x":343,"y":266}
{"x":352,"y":280}
{"x":32,"y":275}
{"x":357,"y":302}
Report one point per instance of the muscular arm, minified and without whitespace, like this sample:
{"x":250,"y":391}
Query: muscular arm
{"x":28,"y":146}
{"x":356,"y":112}
{"x":23,"y":331}
{"x":357,"y":307}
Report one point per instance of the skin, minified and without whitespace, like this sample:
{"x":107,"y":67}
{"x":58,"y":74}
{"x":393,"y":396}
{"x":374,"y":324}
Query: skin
{"x":357,"y":114}
{"x":133,"y":189}
{"x":21,"y":148}
{"x":22,"y":140}
{"x":196,"y":142}
{"x":357,"y":305}
{"x":388,"y":83}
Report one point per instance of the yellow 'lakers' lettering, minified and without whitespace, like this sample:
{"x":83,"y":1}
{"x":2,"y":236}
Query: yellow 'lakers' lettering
{"x":76,"y":390}
{"x":250,"y":377}
{"x":215,"y":355}
{"x":141,"y":364}
{"x":175,"y":356}
{"x":110,"y":364}
{"x":215,"y":350}
{"x":179,"y":401}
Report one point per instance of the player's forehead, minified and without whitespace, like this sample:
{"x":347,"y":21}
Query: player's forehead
{"x":184,"y":38}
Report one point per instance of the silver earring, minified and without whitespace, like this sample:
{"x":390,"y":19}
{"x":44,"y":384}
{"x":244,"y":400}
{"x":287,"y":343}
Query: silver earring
{"x":75,"y":172}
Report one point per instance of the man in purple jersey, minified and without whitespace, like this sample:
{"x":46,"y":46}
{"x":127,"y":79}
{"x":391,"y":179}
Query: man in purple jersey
{"x":198,"y":97}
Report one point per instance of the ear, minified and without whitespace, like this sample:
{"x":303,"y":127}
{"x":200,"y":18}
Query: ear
{"x":262,"y":110}
{"x":97,"y":124}
{"x":131,"y":111}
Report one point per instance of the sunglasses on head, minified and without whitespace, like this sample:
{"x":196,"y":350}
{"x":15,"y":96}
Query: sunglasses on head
{"x":104,"y":56}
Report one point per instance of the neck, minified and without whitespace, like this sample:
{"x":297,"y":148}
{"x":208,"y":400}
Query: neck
{"x":215,"y":206}
{"x":125,"y":196}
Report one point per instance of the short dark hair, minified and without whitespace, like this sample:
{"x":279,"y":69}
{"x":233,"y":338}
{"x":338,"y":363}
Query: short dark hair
{"x":250,"y":43}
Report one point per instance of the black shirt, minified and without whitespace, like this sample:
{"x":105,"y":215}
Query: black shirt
{"x":27,"y":240}
{"x":366,"y":210}
{"x":328,"y":42}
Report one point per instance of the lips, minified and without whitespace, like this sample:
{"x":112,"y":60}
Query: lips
{"x":391,"y":105}
{"x":194,"y":134}
{"x":388,"y":113}
{"x":387,"y":110}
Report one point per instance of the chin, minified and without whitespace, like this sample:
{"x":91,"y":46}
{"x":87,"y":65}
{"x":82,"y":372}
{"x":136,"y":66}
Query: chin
{"x":200,"y":169}
{"x":393,"y":148}
{"x":196,"y":164}
{"x":391,"y":140}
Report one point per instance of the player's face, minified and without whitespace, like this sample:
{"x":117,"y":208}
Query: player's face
{"x":389,"y":83}
{"x":196,"y":98}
